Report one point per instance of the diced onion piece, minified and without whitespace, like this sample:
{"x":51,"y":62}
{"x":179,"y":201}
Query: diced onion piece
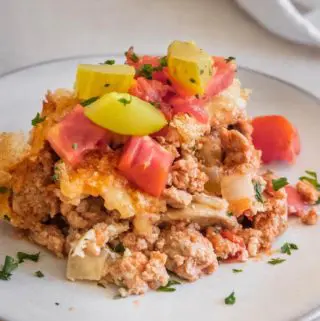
{"x":238,"y":190}
{"x":86,"y":268}
{"x":214,"y":183}
{"x":204,"y":214}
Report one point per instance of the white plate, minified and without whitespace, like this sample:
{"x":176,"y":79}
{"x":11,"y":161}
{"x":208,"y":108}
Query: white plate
{"x":263,"y":291}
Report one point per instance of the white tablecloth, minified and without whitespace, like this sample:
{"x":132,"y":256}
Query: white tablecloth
{"x":37,"y":30}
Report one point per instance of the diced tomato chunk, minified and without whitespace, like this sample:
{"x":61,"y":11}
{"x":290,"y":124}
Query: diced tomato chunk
{"x":222,"y":78}
{"x":232,"y":237}
{"x":240,"y":255}
{"x":75,"y":135}
{"x":138,"y":61}
{"x":295,"y":202}
{"x":190,"y":105}
{"x":146,"y":164}
{"x":149,"y":90}
{"x":276,"y":137}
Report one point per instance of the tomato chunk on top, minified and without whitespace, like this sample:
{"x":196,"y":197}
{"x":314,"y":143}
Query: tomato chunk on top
{"x":75,"y":135}
{"x":222,"y":78}
{"x":146,"y":164}
{"x":276,"y":137}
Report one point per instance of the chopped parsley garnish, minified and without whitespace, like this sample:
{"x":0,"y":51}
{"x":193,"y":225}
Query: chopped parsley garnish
{"x":25,"y":256}
{"x":279,"y":183}
{"x":192,"y":80}
{"x":119,"y":248}
{"x":230,"y":59}
{"x":237,"y":270}
{"x":125,"y":101}
{"x":106,"y":85}
{"x":134,"y":57}
{"x":287,"y":247}
{"x":89,"y":101}
{"x":9,"y":265}
{"x":55,"y":177}
{"x":276,"y":261}
{"x":6,"y":218}
{"x":146,"y":71}
{"x":231,"y":299}
{"x":3,"y":189}
{"x":318,"y":201}
{"x":312,"y":178}
{"x":74,"y":146}
{"x":117,"y":297}
{"x":258,"y":191}
{"x":168,"y":287}
{"x":39,"y":274}
{"x":109,"y":62}
{"x":230,"y":214}
{"x":201,"y":72}
{"x":37,"y":120}
{"x":163,"y":61}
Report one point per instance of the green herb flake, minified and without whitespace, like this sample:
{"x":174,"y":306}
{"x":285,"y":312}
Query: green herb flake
{"x":231,"y":299}
{"x":201,"y":71}
{"x":109,"y":62}
{"x":287,"y":247}
{"x":237,"y":270}
{"x":146,"y":71}
{"x":192,"y":80}
{"x":119,"y":248}
{"x":163,"y":61}
{"x":6,"y":218}
{"x":230,"y":214}
{"x":39,"y":274}
{"x":9,"y":265}
{"x":125,"y":101}
{"x":230,"y":59}
{"x":37,"y":120}
{"x":4,"y":189}
{"x":22,"y":256}
{"x":168,"y":287}
{"x":258,"y":191}
{"x":134,"y":57}
{"x":89,"y":101}
{"x":279,"y":183}
{"x":318,"y":201}
{"x":118,"y":297}
{"x":276,"y":261}
{"x":75,"y":146}
{"x":312,"y":178}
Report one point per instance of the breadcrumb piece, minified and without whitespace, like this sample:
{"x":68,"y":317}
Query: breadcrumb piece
{"x":308,"y":192}
{"x":311,"y":218}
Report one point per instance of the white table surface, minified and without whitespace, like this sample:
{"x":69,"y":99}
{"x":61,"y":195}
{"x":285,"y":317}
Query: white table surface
{"x":36,"y":30}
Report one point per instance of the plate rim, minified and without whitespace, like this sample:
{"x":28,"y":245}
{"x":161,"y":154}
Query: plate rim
{"x":117,"y":54}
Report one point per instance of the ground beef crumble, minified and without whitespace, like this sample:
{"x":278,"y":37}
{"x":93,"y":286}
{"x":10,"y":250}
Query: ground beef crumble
{"x":310,"y":218}
{"x":186,"y":175}
{"x":137,"y":273}
{"x":190,"y":254}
